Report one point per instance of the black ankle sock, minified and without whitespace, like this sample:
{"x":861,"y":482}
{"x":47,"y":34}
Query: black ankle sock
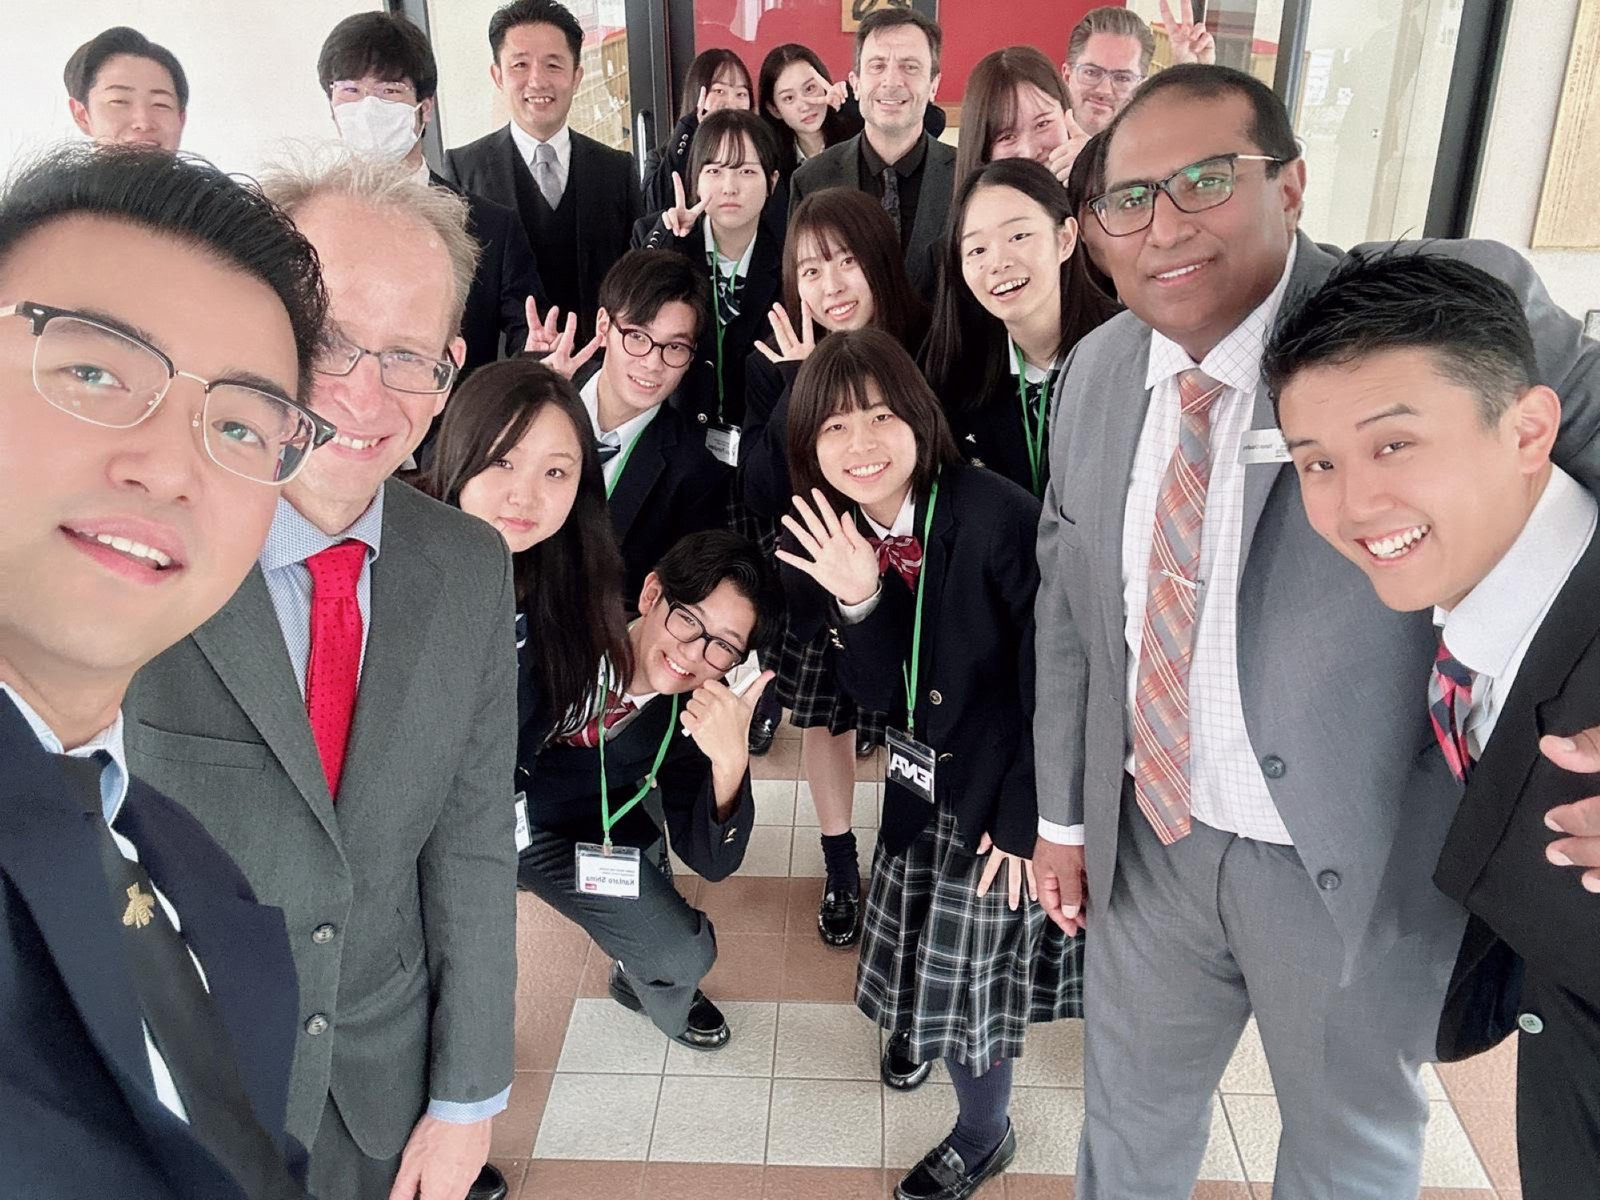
{"x":839,"y":859}
{"x":982,"y":1122}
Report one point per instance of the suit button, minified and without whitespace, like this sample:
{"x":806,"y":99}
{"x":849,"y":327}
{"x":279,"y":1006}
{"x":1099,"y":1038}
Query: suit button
{"x":317,"y":1025}
{"x":1328,"y":881}
{"x":935,"y":698}
{"x":1530,"y":1023}
{"x":322,"y":934}
{"x":1272,"y":766}
{"x":701,"y":417}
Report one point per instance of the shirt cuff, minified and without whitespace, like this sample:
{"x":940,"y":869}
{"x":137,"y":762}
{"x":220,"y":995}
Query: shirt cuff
{"x":455,"y":1113}
{"x":854,"y":614}
{"x":1061,"y":835}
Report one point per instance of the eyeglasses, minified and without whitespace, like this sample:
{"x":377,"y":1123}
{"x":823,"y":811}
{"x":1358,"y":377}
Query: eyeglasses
{"x":686,"y":627}
{"x":1192,"y":189}
{"x":109,"y":378}
{"x":400,"y":370}
{"x":1090,"y":75}
{"x":638,"y":343}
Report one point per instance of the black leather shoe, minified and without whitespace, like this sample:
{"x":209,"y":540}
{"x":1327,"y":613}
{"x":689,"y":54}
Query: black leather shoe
{"x":490,"y":1185}
{"x":864,"y":746}
{"x":941,"y":1175}
{"x":839,"y":918}
{"x":707,"y":1028}
{"x":762,"y":730}
{"x":897,"y":1068}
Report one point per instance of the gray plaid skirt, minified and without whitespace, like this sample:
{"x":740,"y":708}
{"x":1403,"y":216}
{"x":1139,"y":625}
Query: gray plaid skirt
{"x":963,"y":974}
{"x":808,"y":688}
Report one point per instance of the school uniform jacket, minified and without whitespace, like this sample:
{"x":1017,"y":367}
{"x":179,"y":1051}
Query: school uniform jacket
{"x":974,"y":702}
{"x":992,"y":433}
{"x":764,"y":436}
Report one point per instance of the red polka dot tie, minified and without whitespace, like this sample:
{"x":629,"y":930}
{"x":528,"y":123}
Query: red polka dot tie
{"x":335,"y":664}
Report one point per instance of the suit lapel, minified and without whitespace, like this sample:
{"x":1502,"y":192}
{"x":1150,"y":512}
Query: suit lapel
{"x":580,"y":169}
{"x":507,"y":165}
{"x":933,"y":201}
{"x":1123,"y":424}
{"x":640,"y":472}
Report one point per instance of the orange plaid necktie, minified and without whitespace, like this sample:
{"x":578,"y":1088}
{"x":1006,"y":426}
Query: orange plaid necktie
{"x":1166,"y":649}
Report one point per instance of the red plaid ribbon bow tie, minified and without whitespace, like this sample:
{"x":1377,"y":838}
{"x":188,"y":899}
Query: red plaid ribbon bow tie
{"x":617,"y":707}
{"x":902,"y":552}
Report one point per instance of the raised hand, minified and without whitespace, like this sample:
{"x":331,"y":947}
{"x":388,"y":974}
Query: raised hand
{"x":1060,"y":159}
{"x":1189,"y":38}
{"x":838,"y":92}
{"x":1018,"y":869}
{"x":556,"y":344}
{"x":719,"y":721}
{"x":791,"y":347}
{"x":680,"y":218}
{"x":841,"y":560}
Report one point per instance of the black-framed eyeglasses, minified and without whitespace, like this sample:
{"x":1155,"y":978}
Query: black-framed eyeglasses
{"x":686,"y":627}
{"x":1090,"y":75}
{"x":638,"y":343}
{"x":108,"y":377}
{"x":1192,"y":189}
{"x":400,"y":370}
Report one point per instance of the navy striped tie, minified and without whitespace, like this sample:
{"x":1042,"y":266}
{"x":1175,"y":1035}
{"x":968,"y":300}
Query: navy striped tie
{"x":1449,"y":703}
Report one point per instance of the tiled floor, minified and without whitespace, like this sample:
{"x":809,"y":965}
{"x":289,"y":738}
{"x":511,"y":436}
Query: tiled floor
{"x":605,"y":1107}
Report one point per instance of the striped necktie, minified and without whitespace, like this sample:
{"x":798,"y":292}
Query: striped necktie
{"x":1449,"y":703}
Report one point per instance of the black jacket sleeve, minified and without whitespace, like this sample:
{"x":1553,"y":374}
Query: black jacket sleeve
{"x":1016,"y":582}
{"x":519,"y":279}
{"x":763,"y":439}
{"x":661,"y":162}
{"x":713,"y":849}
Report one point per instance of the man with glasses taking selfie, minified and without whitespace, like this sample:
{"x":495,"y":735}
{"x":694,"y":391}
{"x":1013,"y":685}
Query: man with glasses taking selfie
{"x":148,"y":422}
{"x":345,"y":725}
{"x":1228,"y":721}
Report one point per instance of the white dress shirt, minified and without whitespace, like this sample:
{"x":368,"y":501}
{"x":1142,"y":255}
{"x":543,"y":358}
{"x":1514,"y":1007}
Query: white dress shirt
{"x":560,"y":141}
{"x":854,"y":614}
{"x":622,"y":437}
{"x":1490,"y":631}
{"x":731,"y":270}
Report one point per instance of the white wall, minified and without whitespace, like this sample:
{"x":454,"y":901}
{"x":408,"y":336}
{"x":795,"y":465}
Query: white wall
{"x":1532,"y":71}
{"x":252,"y":68}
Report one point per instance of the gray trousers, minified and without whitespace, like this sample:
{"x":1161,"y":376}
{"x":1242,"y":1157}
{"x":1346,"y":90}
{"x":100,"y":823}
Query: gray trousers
{"x":339,"y":1169}
{"x":1196,"y":937}
{"x":665,"y":944}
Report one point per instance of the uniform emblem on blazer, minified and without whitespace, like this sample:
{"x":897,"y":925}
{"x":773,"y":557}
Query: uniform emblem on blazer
{"x":141,"y":908}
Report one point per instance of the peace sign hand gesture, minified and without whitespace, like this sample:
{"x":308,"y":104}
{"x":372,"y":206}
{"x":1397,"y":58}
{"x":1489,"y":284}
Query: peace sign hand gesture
{"x":1189,"y":38}
{"x":791,"y":346}
{"x":842,"y":561}
{"x":556,"y":346}
{"x":1060,"y":159}
{"x":680,"y":218}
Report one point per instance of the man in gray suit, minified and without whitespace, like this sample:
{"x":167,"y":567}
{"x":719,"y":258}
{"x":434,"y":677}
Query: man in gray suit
{"x":1230,"y":725}
{"x":345,"y":726}
{"x":894,"y":159}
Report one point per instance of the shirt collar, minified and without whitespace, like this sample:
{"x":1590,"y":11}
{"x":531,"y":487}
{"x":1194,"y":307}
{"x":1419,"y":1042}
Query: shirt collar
{"x":1235,"y":361}
{"x":623,"y":434}
{"x":742,"y":268}
{"x":528,"y":145}
{"x":293,"y":539}
{"x":906,"y":166}
{"x":1495,"y":618}
{"x":1030,"y":372}
{"x":903,"y":523}
{"x":113,"y":780}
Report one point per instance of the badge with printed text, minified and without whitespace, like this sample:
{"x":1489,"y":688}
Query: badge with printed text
{"x":723,"y":442}
{"x":519,"y":807}
{"x":1263,"y":446}
{"x":602,"y":872}
{"x":910,"y":766}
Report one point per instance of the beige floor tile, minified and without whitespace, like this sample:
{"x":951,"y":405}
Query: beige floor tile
{"x":825,"y":1123}
{"x":774,"y":801}
{"x":598,"y":1117}
{"x":1052,"y":1056}
{"x":914,"y":1122}
{"x":807,"y":858}
{"x":863,"y":810}
{"x":604,"y":1037}
{"x":752,"y":1026}
{"x":825,"y":1041}
{"x":1222,"y":1157}
{"x":1048,"y":1122}
{"x":1247,"y":1071}
{"x":711,"y":1120}
{"x":1432,"y":1084}
{"x":768,"y":852}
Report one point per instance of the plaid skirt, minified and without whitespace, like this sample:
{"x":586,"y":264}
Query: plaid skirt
{"x":963,"y":974}
{"x":808,"y":688}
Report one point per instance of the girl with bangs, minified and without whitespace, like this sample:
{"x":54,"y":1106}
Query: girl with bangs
{"x":1022,"y":111}
{"x":718,"y":80}
{"x":804,"y":107}
{"x":919,"y":568}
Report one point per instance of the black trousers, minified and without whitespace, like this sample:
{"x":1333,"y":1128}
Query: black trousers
{"x":1558,"y":1092}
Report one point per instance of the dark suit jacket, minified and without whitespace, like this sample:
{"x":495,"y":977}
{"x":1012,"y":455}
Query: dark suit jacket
{"x":840,"y":166}
{"x":696,"y":397}
{"x":764,"y":438}
{"x":507,"y":275}
{"x":607,"y":195}
{"x":659,"y":165}
{"x":974,"y":704}
{"x":992,"y":432}
{"x":1493,"y":857}
{"x":78,"y":1109}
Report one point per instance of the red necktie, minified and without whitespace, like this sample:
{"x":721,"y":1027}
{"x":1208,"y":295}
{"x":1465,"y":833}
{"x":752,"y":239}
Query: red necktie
{"x":1449,"y":704}
{"x":902,"y":552}
{"x":334,"y":667}
{"x":617,"y":707}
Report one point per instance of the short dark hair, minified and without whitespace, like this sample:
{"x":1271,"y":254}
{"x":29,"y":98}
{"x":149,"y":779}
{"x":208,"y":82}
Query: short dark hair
{"x":535,"y":12}
{"x":381,"y":44}
{"x":703,"y":72}
{"x":1270,"y":128}
{"x":642,"y":282}
{"x":720,"y":139}
{"x":182,"y":197}
{"x":84,"y":66}
{"x":1472,"y":324}
{"x":1115,"y":21}
{"x":699,"y":562}
{"x":880,"y":19}
{"x":834,"y":379}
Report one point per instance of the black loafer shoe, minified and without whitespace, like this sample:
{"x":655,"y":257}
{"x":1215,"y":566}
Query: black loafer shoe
{"x":707,"y":1028}
{"x":941,"y":1175}
{"x":864,"y":746}
{"x":839,"y":918}
{"x":490,"y":1185}
{"x":897,"y":1068}
{"x":762,"y":730}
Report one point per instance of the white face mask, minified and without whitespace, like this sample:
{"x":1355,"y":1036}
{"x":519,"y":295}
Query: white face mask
{"x":375,"y":128}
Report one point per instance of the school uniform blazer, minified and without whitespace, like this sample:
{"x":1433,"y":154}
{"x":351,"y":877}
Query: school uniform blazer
{"x":696,"y":396}
{"x":78,"y":1109}
{"x":974,"y":703}
{"x":660,"y":163}
{"x":992,"y":432}
{"x":764,"y":436}
{"x":401,"y":899}
{"x":1493,"y":859}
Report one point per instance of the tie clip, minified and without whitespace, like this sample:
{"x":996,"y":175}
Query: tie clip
{"x":1193,"y":584}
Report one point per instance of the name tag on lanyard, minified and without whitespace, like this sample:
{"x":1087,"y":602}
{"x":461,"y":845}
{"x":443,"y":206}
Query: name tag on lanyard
{"x":723,"y":442}
{"x":602,"y":872}
{"x":911,"y":766}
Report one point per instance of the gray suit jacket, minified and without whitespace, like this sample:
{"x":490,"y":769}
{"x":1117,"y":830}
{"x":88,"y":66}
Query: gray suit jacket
{"x":414,"y":873}
{"x":840,"y":166}
{"x":1334,"y":684}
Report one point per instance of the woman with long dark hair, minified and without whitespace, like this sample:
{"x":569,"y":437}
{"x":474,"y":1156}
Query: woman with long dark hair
{"x":806,"y":109}
{"x":717,"y":79}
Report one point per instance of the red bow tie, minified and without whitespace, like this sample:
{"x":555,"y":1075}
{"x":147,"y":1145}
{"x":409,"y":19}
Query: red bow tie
{"x":902,"y":552}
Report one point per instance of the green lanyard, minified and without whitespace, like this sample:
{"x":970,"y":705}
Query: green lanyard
{"x":910,"y":673}
{"x":1033,"y":429}
{"x":719,"y":299}
{"x":622,"y":463}
{"x":607,"y":818}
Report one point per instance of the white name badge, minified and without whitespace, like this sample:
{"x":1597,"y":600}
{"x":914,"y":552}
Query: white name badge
{"x":519,"y":806}
{"x":910,"y":767}
{"x":1263,"y":446}
{"x":723,"y":442}
{"x":607,"y":873}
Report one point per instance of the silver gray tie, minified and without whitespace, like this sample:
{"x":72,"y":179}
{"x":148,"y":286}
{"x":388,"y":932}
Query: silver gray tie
{"x":544,"y":174}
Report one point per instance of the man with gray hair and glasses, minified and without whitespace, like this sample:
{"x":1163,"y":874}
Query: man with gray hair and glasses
{"x":345,"y":726}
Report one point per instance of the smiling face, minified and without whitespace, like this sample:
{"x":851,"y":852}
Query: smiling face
{"x":528,"y":494}
{"x":1196,"y":276}
{"x":133,"y":102}
{"x":896,"y":80}
{"x":1383,"y":447}
{"x":734,"y":196}
{"x":1095,"y":104}
{"x":538,"y":78}
{"x":637,"y":385}
{"x":800,"y":98}
{"x":671,"y":667}
{"x":1038,"y":125}
{"x":833,"y":285}
{"x":92,"y":512}
{"x":1011,"y":256}
{"x":869,"y":455}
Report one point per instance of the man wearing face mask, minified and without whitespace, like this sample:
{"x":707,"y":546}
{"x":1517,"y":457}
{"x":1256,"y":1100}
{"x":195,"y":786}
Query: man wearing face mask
{"x":379,"y":75}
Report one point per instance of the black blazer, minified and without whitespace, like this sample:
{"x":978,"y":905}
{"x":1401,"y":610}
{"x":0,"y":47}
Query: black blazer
{"x":974,"y":705}
{"x":764,"y":436}
{"x":78,"y":1107}
{"x":696,"y":397}
{"x":1493,"y":857}
{"x":607,"y":194}
{"x":507,"y":275}
{"x":992,"y":432}
{"x":659,"y":164}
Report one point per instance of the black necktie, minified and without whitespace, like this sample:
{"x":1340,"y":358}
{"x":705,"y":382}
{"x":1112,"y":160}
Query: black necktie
{"x":180,"y":1014}
{"x":606,"y":450}
{"x":891,"y":196}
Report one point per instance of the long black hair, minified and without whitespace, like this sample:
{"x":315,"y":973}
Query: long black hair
{"x":836,"y":127}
